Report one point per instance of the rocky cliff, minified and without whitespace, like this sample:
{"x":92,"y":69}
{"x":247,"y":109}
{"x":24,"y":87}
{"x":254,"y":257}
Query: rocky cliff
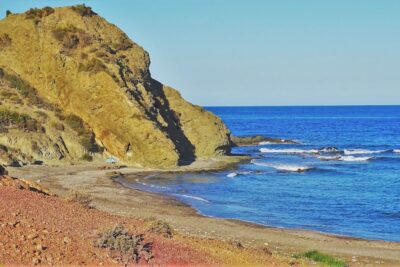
{"x":74,"y":86}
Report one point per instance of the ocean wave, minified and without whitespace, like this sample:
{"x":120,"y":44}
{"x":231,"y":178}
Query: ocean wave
{"x":234,"y":174}
{"x":265,"y":143}
{"x":329,"y":149}
{"x":291,"y":168}
{"x":345,"y":158}
{"x":396,"y":150}
{"x":192,"y":197}
{"x":362,"y":151}
{"x":283,"y":167}
{"x":150,"y":185}
{"x":289,"y":151}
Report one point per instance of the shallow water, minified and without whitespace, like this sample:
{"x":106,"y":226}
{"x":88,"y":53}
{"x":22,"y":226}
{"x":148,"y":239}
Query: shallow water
{"x":355,"y":191}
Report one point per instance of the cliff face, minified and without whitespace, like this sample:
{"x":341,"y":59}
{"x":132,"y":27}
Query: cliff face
{"x":92,"y":77}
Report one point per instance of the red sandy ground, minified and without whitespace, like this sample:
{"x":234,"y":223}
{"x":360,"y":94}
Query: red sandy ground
{"x":35,"y":228}
{"x":40,"y":229}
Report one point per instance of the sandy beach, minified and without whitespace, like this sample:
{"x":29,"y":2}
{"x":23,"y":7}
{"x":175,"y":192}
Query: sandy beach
{"x":112,"y":197}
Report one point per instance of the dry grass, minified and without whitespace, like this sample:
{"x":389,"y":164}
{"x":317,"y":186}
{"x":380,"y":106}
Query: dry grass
{"x":80,"y":197}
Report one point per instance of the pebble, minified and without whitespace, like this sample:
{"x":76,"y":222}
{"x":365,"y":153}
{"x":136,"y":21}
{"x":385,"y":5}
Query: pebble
{"x":33,"y":236}
{"x":35,"y":261}
{"x":39,"y":247}
{"x":66,"y":240}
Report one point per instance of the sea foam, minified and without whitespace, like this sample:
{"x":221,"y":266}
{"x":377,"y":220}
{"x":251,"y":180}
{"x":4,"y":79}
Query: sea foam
{"x":264,"y":143}
{"x":352,"y":158}
{"x":289,"y":151}
{"x":344,"y":158}
{"x":283,"y":167}
{"x":193,"y":197}
{"x":362,"y":151}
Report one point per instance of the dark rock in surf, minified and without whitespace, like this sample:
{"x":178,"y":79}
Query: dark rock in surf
{"x":257,"y":140}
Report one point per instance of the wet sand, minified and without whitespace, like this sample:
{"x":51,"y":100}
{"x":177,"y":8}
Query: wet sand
{"x":110,"y":196}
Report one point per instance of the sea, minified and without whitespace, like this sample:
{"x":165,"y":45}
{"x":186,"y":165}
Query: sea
{"x":351,"y":189}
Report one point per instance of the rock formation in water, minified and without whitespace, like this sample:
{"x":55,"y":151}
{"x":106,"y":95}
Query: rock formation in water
{"x":259,"y":139}
{"x":74,"y":86}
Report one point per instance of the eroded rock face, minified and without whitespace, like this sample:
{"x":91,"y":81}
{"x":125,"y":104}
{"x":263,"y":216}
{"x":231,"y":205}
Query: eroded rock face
{"x":87,"y":67}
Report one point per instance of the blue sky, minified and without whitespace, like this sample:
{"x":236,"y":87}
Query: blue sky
{"x":286,"y":52}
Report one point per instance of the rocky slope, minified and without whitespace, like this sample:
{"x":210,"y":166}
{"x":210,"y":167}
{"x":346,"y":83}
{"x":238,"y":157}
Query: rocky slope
{"x":74,"y":86}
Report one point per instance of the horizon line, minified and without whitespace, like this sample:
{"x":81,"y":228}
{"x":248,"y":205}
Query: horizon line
{"x":339,"y":105}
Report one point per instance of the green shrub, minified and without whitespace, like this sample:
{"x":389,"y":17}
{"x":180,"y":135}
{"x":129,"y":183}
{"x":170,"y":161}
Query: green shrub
{"x":21,"y":121}
{"x":83,"y":10}
{"x":33,"y":13}
{"x":8,"y":13}
{"x":48,"y":11}
{"x":26,"y":91}
{"x":128,"y":247}
{"x":87,"y":157}
{"x":323,"y":258}
{"x":36,"y":13}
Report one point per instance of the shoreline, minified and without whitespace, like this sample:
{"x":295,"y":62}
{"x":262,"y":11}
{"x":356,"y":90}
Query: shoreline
{"x":109,"y":195}
{"x":250,"y":223}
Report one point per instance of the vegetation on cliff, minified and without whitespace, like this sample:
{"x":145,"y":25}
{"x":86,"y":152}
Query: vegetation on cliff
{"x":63,"y":63}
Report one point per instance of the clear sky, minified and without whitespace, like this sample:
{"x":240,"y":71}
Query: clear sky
{"x":281,"y":52}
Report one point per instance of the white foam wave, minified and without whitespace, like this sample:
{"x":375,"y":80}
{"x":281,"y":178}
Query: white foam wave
{"x":234,"y":174}
{"x":345,"y":158}
{"x":193,"y":197}
{"x":362,"y":151}
{"x":289,"y":151}
{"x":283,"y":167}
{"x":396,"y":150}
{"x":264,"y":143}
{"x":352,"y":158}
{"x":329,"y":149}
{"x":291,"y":168}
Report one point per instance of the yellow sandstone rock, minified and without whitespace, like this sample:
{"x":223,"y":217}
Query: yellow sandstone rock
{"x":83,"y":66}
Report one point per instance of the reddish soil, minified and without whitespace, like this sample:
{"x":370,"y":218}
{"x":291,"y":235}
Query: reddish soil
{"x":40,"y":229}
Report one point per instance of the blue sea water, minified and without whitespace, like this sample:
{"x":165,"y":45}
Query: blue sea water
{"x":357,"y":194}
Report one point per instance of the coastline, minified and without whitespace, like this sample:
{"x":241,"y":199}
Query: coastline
{"x":112,"y":197}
